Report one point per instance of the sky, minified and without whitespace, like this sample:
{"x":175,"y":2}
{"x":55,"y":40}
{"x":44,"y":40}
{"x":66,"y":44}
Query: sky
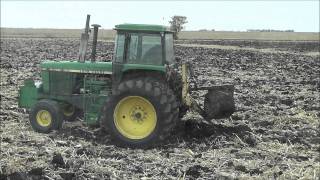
{"x":301,"y":16}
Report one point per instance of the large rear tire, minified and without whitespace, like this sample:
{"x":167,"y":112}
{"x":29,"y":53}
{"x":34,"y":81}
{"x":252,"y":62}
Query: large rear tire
{"x":140,"y":113}
{"x":175,"y":82}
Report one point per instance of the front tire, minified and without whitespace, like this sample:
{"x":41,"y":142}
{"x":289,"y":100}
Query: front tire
{"x":46,"y":116}
{"x":70,"y":112}
{"x":140,"y":113}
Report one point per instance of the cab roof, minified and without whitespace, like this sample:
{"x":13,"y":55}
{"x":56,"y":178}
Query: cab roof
{"x":142,"y":27}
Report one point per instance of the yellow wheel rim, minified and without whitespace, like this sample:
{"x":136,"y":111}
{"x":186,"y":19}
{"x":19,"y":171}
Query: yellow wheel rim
{"x":44,"y":118}
{"x":68,"y":110}
{"x":135,"y":117}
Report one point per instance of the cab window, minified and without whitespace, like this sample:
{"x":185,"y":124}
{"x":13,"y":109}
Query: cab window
{"x":145,"y":49}
{"x":151,"y":50}
{"x":119,"y":48}
{"x":169,"y":48}
{"x":133,"y":49}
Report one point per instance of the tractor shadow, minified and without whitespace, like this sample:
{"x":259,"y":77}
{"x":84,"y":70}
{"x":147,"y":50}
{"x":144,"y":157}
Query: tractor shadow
{"x":190,"y":133}
{"x":195,"y":132}
{"x":79,"y":131}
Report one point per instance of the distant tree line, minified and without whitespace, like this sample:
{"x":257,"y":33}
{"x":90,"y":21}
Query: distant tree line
{"x":269,"y":30}
{"x":204,"y":30}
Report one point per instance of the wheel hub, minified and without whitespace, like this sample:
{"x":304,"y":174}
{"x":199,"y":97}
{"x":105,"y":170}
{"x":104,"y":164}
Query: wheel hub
{"x":135,"y":117}
{"x":44,"y":118}
{"x":68,"y":110}
{"x":138,"y":114}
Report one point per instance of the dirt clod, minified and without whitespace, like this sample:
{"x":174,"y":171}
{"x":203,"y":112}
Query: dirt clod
{"x":18,"y":176}
{"x":36,"y":171}
{"x":255,"y":171}
{"x":195,"y":171}
{"x":57,"y":160}
{"x":240,"y":168}
{"x":67,"y":176}
{"x":251,"y":140}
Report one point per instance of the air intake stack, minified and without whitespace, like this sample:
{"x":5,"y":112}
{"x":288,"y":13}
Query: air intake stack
{"x":84,"y":41}
{"x":94,"y":41}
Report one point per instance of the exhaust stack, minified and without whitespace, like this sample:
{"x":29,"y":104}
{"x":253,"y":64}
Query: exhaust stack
{"x":84,"y":41}
{"x":94,"y":41}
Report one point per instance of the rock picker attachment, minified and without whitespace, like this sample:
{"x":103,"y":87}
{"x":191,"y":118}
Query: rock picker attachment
{"x":218,"y":102}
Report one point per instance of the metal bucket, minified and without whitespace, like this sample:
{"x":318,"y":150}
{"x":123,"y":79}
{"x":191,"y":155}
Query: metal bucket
{"x":219,"y":102}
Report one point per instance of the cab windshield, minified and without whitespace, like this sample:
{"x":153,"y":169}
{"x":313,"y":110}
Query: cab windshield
{"x":144,"y":48}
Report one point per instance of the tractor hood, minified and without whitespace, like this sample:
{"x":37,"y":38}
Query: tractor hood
{"x":78,"y":67}
{"x":89,"y":67}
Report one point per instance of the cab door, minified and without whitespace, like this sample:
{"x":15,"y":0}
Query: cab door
{"x":119,"y":58}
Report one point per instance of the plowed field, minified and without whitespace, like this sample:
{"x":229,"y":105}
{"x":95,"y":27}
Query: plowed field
{"x":273,"y":134}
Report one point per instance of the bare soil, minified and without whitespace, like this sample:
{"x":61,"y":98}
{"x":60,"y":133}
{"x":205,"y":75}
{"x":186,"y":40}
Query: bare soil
{"x":294,"y":46}
{"x":273,"y":134}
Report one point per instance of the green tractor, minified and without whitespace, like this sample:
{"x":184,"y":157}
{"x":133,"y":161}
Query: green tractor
{"x":138,"y":97}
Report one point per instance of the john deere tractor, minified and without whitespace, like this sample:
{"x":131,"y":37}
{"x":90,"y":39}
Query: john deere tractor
{"x":138,"y":97}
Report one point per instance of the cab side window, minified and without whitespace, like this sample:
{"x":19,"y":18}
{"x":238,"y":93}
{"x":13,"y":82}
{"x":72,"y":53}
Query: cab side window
{"x":119,"y":48}
{"x":169,"y":48}
{"x":132,"y":56}
{"x":151,"y":49}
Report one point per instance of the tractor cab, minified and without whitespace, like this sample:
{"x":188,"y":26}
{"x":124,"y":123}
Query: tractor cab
{"x":143,"y":44}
